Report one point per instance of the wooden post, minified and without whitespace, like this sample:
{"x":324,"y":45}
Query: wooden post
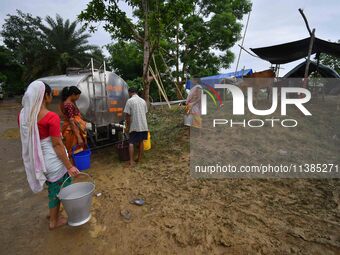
{"x":317,"y":61}
{"x":311,"y":43}
{"x":316,"y":89}
{"x":244,"y":36}
{"x":312,"y":37}
{"x":306,"y":22}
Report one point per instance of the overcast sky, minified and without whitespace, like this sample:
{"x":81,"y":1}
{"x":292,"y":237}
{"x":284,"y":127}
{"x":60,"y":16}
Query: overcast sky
{"x":271,"y":22}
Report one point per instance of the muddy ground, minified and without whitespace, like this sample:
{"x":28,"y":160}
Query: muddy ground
{"x":182,"y":215}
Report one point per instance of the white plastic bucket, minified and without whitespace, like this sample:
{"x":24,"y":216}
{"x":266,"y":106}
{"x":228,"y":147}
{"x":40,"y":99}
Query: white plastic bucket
{"x":188,"y":120}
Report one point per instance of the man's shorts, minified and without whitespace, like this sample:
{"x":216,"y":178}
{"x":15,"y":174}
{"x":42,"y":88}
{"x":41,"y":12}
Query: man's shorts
{"x":54,"y":189}
{"x":138,"y":137}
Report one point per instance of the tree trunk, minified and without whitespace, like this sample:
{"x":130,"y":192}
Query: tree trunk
{"x":184,"y":67}
{"x":178,"y":94}
{"x":183,"y":72}
{"x":146,"y":78}
{"x":147,"y":53}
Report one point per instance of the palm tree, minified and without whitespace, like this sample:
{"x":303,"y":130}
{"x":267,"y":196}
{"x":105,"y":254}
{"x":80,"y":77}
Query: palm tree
{"x":66,"y":46}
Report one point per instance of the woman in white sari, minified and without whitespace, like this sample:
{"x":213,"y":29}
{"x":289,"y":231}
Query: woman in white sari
{"x":44,"y":155}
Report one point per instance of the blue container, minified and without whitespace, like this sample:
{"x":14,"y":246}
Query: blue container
{"x":82,"y":160}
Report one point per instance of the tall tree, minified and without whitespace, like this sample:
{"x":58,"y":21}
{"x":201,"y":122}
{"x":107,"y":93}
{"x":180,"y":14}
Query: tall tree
{"x":189,"y":32}
{"x":66,"y":45}
{"x":22,"y":35}
{"x":150,"y":16}
{"x":200,"y":40}
{"x":126,"y":59}
{"x":47,"y":49}
{"x":10,"y":70}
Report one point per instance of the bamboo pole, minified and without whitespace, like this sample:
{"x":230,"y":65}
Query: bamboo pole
{"x":244,"y":36}
{"x":159,"y":87}
{"x":168,"y":69}
{"x":157,"y":73}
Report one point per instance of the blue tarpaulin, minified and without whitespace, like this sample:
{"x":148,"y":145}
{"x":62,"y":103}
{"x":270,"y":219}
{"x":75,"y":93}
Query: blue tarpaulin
{"x":188,"y":85}
{"x":215,"y":79}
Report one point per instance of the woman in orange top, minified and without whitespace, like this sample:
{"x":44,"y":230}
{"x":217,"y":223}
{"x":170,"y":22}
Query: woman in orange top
{"x":74,"y":127}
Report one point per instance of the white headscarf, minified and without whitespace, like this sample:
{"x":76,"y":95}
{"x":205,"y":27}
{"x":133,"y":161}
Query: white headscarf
{"x":31,"y":149}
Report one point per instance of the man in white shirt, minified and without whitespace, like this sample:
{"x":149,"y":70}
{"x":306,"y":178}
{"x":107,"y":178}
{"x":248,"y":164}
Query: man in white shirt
{"x":135,"y":111}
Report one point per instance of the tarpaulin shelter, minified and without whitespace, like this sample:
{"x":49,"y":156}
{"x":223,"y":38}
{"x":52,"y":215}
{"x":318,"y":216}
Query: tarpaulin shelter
{"x":299,"y":70}
{"x":211,"y":80}
{"x":292,"y":51}
{"x":331,"y":79}
{"x":215,"y":79}
{"x":288,"y":52}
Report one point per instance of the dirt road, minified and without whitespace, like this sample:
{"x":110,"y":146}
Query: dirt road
{"x":181,"y":215}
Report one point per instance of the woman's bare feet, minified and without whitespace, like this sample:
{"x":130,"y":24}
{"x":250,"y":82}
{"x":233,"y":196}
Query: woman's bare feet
{"x":48,"y":217}
{"x":60,"y":222}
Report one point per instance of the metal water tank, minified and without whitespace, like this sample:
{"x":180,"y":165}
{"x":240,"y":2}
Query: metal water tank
{"x":101,"y":103}
{"x":103,"y":95}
